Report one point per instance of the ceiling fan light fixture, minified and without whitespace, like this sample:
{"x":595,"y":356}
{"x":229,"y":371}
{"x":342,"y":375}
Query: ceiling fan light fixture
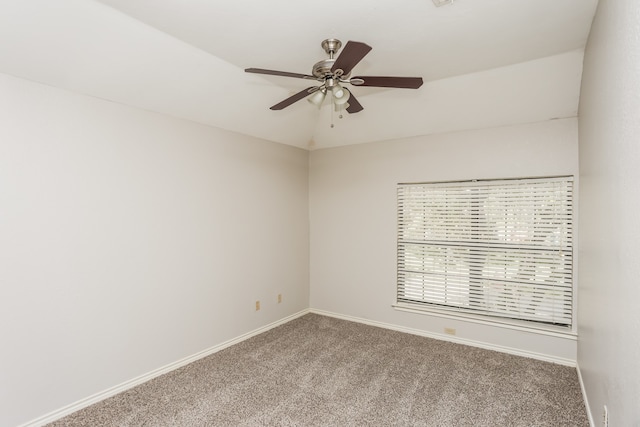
{"x":318,"y":97}
{"x":343,"y":98}
{"x":338,"y":91}
{"x":339,"y":107}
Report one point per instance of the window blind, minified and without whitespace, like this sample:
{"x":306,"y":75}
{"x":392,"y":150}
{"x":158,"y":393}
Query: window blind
{"x":498,"y":248}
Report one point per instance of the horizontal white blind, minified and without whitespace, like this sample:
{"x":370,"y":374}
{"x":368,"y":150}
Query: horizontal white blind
{"x":501,"y":248}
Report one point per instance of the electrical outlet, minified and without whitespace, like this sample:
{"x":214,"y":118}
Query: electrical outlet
{"x":605,"y":417}
{"x":257,"y":305}
{"x":450,"y":331}
{"x":279,"y":298}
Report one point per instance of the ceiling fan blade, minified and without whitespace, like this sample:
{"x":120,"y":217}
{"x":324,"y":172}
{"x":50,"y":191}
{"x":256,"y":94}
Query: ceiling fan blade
{"x":354,"y":105}
{"x":352,"y":53}
{"x":294,"y":98}
{"x":396,"y":82}
{"x":278,"y":73}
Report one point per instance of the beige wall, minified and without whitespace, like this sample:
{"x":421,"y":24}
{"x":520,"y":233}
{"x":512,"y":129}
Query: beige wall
{"x":609,"y":319}
{"x":353,"y":219}
{"x":130,"y":240}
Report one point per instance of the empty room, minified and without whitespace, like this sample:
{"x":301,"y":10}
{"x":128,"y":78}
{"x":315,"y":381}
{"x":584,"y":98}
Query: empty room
{"x":417,"y":213}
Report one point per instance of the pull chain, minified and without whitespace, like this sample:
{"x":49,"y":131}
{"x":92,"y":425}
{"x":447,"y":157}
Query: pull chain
{"x":331,"y":108}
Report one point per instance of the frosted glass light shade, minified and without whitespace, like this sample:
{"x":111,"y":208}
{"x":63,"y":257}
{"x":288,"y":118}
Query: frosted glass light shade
{"x":340,"y":107}
{"x":339,"y":100}
{"x":337,"y":91}
{"x":317,"y":98}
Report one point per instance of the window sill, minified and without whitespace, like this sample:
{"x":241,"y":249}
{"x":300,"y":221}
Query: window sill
{"x":550,"y":330}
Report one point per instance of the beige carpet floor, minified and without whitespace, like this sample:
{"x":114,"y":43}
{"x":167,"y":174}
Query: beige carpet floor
{"x":322,"y":371}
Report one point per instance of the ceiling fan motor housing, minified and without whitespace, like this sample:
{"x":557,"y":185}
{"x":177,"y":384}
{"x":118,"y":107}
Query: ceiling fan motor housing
{"x":322,"y":70}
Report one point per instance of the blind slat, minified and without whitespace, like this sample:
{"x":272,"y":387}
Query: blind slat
{"x":502,"y":248}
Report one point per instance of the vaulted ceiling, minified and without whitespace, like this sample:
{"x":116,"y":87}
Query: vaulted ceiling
{"x":485,"y":62}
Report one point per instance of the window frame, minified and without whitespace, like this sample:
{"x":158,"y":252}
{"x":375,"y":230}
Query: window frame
{"x":431,"y":308}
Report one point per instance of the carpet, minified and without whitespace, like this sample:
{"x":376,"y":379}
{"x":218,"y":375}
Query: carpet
{"x":322,"y":371}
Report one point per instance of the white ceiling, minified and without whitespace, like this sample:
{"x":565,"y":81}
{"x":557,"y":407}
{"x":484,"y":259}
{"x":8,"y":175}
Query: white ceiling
{"x":485,"y":62}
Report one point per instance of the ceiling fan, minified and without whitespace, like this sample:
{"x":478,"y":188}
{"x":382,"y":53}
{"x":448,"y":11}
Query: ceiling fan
{"x":332,"y":73}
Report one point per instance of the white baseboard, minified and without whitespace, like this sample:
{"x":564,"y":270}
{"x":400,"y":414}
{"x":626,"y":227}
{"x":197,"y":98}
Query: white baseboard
{"x":83,"y":403}
{"x":473,"y":343}
{"x":584,"y":396}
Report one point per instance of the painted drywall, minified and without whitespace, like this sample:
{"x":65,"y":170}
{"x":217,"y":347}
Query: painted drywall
{"x":534,"y":91}
{"x":72,"y":44}
{"x":353,"y":217}
{"x":609,"y":273}
{"x":131,"y":240}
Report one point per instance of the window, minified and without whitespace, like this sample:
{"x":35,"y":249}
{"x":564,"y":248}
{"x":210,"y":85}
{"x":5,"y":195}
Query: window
{"x":500,"y":248}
